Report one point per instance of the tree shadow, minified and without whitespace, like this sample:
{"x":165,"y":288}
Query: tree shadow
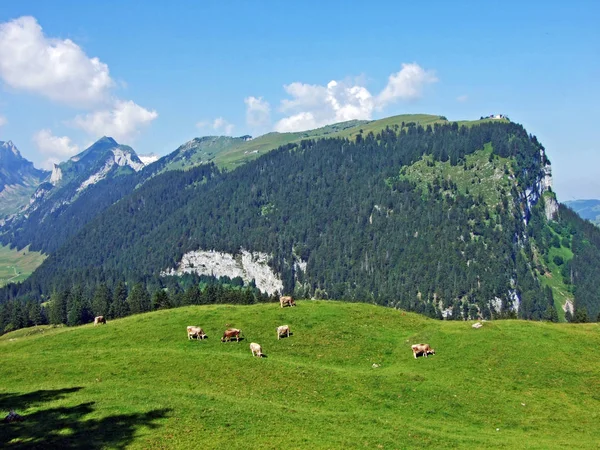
{"x":66,"y":427}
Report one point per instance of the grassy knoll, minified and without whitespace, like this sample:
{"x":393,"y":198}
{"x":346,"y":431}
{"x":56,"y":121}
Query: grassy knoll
{"x":139,"y":382}
{"x":16,"y":265}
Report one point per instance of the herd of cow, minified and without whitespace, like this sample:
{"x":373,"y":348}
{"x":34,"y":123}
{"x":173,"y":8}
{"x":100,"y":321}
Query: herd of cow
{"x":195,"y":332}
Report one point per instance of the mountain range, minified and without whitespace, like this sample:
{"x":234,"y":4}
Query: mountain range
{"x":18,"y":179}
{"x":448,"y":219}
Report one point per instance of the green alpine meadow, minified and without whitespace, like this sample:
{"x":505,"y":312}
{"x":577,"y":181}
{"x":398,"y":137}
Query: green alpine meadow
{"x":345,"y":378}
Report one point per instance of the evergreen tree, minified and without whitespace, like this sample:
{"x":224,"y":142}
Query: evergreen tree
{"x":139,"y":299}
{"x":550,"y":315}
{"x":160,"y":300}
{"x":35,"y":313}
{"x":119,"y":306}
{"x":58,"y":307}
{"x":581,"y":315}
{"x":78,"y":308}
{"x":102,"y":300}
{"x":568,"y":315}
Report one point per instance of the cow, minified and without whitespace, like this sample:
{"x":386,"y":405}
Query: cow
{"x":286,"y":300}
{"x":195,"y":332}
{"x":283,"y":330}
{"x":425,"y":349}
{"x":256,"y":349}
{"x":99,"y":319}
{"x":231,"y":333}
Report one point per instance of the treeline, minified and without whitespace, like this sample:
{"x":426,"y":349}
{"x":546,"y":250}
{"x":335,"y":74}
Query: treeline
{"x":78,"y":305}
{"x":339,"y":206}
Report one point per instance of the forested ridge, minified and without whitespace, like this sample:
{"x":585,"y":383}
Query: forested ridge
{"x":366,"y":230}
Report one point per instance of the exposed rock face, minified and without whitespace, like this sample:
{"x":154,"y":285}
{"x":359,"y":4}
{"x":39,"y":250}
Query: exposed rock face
{"x":56,"y":175}
{"x":568,"y":306}
{"x":246,"y":265}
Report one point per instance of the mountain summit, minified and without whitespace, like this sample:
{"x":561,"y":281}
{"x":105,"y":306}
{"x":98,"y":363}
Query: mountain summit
{"x":18,"y":178}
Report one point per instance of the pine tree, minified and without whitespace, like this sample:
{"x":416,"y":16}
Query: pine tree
{"x":139,"y":299}
{"x":160,"y":300}
{"x":78,"y":308}
{"x":58,"y":307}
{"x":101,"y":301}
{"x":119,"y":306}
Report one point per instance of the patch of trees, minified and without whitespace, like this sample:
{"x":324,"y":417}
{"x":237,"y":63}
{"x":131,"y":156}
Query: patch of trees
{"x":79,"y":305}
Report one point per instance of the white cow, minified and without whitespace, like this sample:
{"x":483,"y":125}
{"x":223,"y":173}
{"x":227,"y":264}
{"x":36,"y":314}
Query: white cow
{"x":195,"y":332}
{"x":256,"y":349}
{"x":283,"y":330}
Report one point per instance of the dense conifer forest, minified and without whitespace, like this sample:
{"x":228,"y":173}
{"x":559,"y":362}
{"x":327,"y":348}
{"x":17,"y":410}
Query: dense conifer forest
{"x":366,"y":230}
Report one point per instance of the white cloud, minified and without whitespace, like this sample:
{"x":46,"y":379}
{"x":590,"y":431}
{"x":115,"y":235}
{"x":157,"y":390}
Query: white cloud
{"x":57,"y":69}
{"x":407,"y":84}
{"x":55,"y":148}
{"x":298,"y":122}
{"x":258,"y":112}
{"x":462,"y":98}
{"x":122,"y":122}
{"x":316,"y":106}
{"x":219,"y":125}
{"x":313,"y":106}
{"x":3,"y":120}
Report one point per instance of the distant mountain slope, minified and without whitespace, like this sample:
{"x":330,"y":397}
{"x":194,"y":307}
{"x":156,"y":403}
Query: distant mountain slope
{"x":54,"y":218}
{"x":54,"y":210}
{"x":587,"y":209}
{"x":18,"y":179}
{"x":347,"y":219}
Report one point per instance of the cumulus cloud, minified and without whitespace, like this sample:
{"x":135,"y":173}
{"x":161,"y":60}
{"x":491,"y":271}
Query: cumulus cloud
{"x":122,"y":121}
{"x":57,"y":69}
{"x":407,"y":84}
{"x":54,"y":148}
{"x":316,"y":106}
{"x":258,"y":112}
{"x":313,"y":106}
{"x":219,"y":125}
{"x":462,"y":98}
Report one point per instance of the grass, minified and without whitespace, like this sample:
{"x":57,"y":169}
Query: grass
{"x":139,"y":383}
{"x":477,"y":175}
{"x":17,"y":265}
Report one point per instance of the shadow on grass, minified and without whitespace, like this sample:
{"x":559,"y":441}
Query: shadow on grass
{"x":66,"y":427}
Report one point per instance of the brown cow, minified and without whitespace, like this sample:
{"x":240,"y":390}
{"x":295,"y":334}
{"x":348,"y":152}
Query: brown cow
{"x":283,"y":330}
{"x":286,"y":300}
{"x":195,"y":332}
{"x":231,"y":333}
{"x":99,"y":319}
{"x":256,"y":349}
{"x":425,"y":349}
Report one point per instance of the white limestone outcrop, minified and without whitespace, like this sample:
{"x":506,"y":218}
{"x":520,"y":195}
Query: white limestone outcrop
{"x":246,"y":265}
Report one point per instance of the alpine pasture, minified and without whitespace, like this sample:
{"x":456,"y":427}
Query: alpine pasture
{"x":344,"y":378}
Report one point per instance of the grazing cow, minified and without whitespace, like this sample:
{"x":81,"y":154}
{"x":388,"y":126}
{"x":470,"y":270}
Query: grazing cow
{"x":283,"y":330}
{"x":99,"y":319}
{"x":231,"y":333}
{"x":286,"y":300}
{"x":256,"y":350}
{"x":195,"y":332}
{"x":425,"y":349}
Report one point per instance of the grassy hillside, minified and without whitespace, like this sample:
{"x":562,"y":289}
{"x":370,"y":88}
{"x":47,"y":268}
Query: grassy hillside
{"x":247,"y":151}
{"x":139,"y":382}
{"x":17,"y":265}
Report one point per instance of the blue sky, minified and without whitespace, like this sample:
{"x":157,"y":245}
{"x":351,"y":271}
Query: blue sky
{"x":156,"y":74}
